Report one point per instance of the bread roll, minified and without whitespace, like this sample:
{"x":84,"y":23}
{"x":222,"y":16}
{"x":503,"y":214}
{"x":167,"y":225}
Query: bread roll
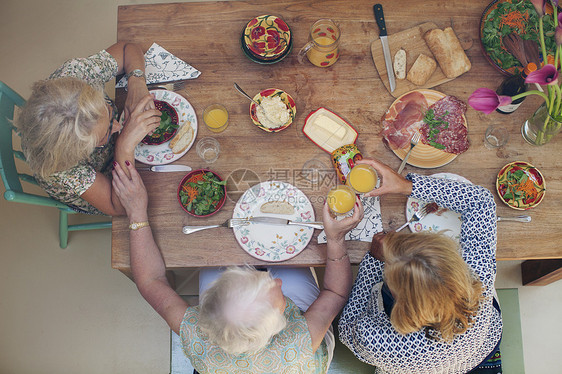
{"x":279,"y":207}
{"x":448,"y":52}
{"x":400,"y":64}
{"x":183,"y":138}
{"x":422,"y":69}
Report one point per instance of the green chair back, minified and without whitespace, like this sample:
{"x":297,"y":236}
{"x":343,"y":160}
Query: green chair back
{"x":11,"y":178}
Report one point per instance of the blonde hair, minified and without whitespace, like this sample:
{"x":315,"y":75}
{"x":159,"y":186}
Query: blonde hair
{"x":432,"y":285}
{"x":236,"y":314}
{"x":57,"y":124}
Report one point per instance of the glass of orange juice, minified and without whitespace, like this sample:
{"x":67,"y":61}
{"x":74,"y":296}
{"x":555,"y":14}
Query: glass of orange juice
{"x":323,"y":48}
{"x":362,"y":178}
{"x":216,"y":117}
{"x":341,"y":200}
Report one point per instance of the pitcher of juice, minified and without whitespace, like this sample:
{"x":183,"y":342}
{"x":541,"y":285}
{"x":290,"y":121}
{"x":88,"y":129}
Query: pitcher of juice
{"x":322,"y":49}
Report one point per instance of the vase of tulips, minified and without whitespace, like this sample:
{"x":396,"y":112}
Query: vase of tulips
{"x":546,"y":122}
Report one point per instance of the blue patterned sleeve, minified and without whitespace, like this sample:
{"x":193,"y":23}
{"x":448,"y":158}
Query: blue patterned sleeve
{"x":96,"y":70}
{"x":478,"y":214}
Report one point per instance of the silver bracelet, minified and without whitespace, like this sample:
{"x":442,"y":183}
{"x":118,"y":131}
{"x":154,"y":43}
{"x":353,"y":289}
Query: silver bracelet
{"x":338,"y":259}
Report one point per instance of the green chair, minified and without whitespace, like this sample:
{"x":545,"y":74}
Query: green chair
{"x":9,"y":99}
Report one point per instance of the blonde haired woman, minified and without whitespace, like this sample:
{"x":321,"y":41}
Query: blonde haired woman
{"x":248,"y":321}
{"x":421,"y":303}
{"x":68,"y":128}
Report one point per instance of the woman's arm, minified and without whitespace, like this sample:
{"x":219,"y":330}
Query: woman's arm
{"x":337,"y":278}
{"x":147,"y":264}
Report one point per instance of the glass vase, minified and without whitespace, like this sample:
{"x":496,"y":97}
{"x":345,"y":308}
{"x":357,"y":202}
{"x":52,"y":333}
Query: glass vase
{"x":540,"y":128}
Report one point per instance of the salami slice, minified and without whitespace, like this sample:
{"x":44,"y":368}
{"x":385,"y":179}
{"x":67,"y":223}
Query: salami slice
{"x":447,"y":131}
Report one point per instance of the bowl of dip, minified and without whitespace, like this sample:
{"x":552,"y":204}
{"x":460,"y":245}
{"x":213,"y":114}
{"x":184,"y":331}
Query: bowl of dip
{"x":279,"y":110}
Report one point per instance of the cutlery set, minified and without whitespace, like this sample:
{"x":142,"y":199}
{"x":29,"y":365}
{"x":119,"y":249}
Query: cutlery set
{"x":232,"y":222}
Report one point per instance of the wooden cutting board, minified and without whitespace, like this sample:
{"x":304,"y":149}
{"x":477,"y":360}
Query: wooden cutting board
{"x":411,"y":40}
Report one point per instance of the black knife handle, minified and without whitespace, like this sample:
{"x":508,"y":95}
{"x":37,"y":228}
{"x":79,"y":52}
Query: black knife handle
{"x":379,"y":17}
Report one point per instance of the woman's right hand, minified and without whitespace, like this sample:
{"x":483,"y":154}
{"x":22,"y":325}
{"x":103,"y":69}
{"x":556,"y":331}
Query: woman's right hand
{"x":391,"y":181}
{"x":130,"y":191}
{"x":141,"y":122}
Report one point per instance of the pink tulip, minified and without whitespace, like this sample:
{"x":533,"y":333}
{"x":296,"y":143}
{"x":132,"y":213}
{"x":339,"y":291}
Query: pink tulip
{"x":539,"y":6}
{"x":547,"y":75}
{"x":554,"y":3}
{"x":485,"y":100}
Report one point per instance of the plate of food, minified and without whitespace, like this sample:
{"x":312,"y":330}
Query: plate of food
{"x":274,"y":199}
{"x":172,"y":143}
{"x":202,"y":193}
{"x":504,"y":17}
{"x":279,"y":110}
{"x":440,"y":120}
{"x":520,"y":185}
{"x":442,"y":218}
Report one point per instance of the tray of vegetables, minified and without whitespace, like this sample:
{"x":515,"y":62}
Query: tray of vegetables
{"x":202,"y":193}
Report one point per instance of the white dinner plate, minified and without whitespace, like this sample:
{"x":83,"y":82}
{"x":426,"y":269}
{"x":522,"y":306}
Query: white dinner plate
{"x":162,"y":154}
{"x":443,"y":219}
{"x":273,"y":243}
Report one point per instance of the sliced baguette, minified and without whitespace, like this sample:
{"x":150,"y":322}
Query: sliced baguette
{"x":279,"y":207}
{"x":448,"y":51}
{"x":182,"y":139}
{"x":422,"y":70}
{"x":400,"y":64}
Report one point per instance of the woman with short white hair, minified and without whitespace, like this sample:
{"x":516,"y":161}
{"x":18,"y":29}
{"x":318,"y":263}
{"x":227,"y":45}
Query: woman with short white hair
{"x":68,"y":127}
{"x":248,"y":321}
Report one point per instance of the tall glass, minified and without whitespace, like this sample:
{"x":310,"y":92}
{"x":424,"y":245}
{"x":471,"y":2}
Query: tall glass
{"x":362,"y":178}
{"x":341,"y":200}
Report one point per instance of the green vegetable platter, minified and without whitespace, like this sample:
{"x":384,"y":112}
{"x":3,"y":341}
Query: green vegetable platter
{"x":202,"y":193}
{"x":503,"y":17}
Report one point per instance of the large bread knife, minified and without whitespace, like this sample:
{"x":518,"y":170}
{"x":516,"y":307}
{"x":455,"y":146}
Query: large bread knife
{"x":379,"y":17}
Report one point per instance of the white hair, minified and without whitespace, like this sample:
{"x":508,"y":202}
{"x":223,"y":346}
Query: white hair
{"x":236,"y":313}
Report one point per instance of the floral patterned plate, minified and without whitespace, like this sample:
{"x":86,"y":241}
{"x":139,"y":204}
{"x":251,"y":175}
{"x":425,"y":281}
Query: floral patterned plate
{"x":267,"y":37}
{"x":162,"y":154}
{"x":273,"y":243}
{"x":443,"y":219}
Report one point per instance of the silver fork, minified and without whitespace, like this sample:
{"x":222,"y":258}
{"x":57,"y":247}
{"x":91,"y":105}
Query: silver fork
{"x":171,"y":86}
{"x":420,"y":214}
{"x":230,"y":223}
{"x":413,"y":142}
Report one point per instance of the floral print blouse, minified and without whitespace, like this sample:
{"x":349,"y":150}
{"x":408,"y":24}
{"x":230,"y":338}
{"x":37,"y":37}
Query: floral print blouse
{"x":290,"y":351}
{"x":68,"y":185}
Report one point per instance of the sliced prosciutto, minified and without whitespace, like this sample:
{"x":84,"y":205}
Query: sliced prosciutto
{"x":403,"y":119}
{"x":443,"y":126}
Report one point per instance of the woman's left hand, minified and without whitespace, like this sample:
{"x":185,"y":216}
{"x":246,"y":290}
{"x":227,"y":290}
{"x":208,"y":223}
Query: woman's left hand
{"x":136,"y":91}
{"x":336,"y":229}
{"x":130,"y":191}
{"x":141,"y":122}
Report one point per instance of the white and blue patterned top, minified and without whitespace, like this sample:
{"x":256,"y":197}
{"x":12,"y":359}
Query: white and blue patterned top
{"x":365,"y":327}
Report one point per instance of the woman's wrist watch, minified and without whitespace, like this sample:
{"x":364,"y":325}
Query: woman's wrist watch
{"x":136,"y":73}
{"x":138,"y":225}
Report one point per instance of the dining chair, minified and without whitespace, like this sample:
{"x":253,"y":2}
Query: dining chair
{"x":11,"y":178}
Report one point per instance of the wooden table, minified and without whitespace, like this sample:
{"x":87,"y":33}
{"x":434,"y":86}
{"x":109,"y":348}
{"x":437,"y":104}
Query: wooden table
{"x":207,"y":35}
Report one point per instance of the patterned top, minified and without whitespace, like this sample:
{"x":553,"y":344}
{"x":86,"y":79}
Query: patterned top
{"x":365,"y":327}
{"x":66,"y":186}
{"x":290,"y":351}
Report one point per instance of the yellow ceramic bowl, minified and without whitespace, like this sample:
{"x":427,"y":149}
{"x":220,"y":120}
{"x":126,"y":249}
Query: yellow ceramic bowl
{"x":267,"y":37}
{"x":285,"y":98}
{"x":520,"y":185}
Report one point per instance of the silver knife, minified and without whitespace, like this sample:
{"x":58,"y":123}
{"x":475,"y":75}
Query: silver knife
{"x":379,"y":17}
{"x":166,"y":168}
{"x":282,"y":221}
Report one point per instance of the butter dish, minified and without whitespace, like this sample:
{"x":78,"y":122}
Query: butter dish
{"x":328,"y":130}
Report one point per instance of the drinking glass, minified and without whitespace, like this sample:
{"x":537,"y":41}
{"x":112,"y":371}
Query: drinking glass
{"x":216,"y":117}
{"x":341,"y":200}
{"x":362,"y":178}
{"x":495,"y":137}
{"x":208,"y":149}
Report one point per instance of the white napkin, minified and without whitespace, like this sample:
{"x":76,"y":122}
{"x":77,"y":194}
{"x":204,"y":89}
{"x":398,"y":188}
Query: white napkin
{"x":162,"y":66}
{"x":369,"y":225}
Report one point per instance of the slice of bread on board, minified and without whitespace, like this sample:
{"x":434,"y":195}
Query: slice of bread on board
{"x":183,"y":138}
{"x":400,"y":64}
{"x":448,"y":52}
{"x":421,"y":71}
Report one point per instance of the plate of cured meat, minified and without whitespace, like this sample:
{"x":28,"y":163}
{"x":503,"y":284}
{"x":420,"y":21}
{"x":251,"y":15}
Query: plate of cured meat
{"x":440,"y":120}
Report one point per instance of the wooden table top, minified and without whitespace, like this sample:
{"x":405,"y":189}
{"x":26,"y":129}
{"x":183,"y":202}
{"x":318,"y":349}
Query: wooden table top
{"x":207,"y":35}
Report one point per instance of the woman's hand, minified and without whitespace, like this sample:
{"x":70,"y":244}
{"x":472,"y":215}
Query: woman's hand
{"x":130,"y":191}
{"x":136,"y":92}
{"x":141,"y":122}
{"x":336,"y":229}
{"x":391,"y":181}
{"x":376,"y":246}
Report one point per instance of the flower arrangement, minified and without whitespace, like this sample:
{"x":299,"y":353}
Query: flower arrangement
{"x":548,"y":120}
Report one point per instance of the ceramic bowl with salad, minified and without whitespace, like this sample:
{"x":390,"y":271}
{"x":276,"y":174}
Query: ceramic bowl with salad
{"x":202,"y":193}
{"x":169,"y":124}
{"x":520,"y":185}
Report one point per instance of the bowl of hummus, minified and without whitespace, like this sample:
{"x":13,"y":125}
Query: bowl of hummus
{"x":276,"y":112}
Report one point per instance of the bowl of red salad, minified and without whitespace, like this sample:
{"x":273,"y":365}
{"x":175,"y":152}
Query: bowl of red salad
{"x":202,"y":193}
{"x":169,"y":124}
{"x":520,"y":185}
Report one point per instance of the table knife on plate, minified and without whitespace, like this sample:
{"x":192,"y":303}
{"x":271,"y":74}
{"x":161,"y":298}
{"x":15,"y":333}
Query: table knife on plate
{"x":379,"y":17}
{"x":282,"y":221}
{"x":166,"y":168}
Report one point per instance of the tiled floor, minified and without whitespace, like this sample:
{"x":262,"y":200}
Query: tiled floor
{"x":68,"y":311}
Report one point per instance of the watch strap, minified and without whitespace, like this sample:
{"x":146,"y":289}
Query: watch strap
{"x":138,"y":225}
